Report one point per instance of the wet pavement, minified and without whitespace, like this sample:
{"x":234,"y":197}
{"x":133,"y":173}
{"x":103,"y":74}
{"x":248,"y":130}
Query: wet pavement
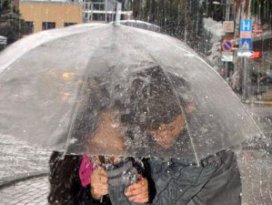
{"x":256,"y":173}
{"x":32,"y":191}
{"x":18,"y":158}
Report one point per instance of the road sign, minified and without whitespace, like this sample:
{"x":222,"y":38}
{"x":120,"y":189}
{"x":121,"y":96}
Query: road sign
{"x":245,"y":28}
{"x":246,"y":25}
{"x":228,"y":26}
{"x":255,"y":55}
{"x":226,"y":45}
{"x":244,"y":53}
{"x":245,"y":47}
{"x":245,"y":43}
{"x":227,"y":56}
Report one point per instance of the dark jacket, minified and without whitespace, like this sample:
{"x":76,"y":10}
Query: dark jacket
{"x":65,"y":185}
{"x":224,"y":186}
{"x":66,"y":188}
{"x":216,"y":181}
{"x":171,"y":182}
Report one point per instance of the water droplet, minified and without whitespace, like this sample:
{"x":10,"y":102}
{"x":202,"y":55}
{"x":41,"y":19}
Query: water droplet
{"x":73,"y":140}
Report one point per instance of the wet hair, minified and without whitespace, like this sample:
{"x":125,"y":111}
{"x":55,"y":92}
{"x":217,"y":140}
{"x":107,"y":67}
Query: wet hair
{"x":142,"y":101}
{"x":153,"y":98}
{"x":93,"y":99}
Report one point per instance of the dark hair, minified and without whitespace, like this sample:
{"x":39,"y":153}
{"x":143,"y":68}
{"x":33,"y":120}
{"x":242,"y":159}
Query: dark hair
{"x":143,"y":101}
{"x":93,"y":98}
{"x":149,"y":98}
{"x":153,"y":98}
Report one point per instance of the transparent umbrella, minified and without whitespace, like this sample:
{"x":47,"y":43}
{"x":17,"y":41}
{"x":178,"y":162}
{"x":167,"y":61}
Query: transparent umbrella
{"x":105,"y":89}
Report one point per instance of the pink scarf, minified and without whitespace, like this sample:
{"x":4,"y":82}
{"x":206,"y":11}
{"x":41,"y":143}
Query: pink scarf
{"x":85,"y":170}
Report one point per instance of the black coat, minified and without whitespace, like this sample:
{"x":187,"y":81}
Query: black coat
{"x":66,"y":188}
{"x":65,"y":185}
{"x":216,"y":181}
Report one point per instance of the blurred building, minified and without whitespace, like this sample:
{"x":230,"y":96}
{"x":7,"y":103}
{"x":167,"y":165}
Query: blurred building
{"x":103,"y":10}
{"x":44,"y":14}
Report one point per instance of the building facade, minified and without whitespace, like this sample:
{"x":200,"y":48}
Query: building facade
{"x":43,"y":15}
{"x":103,"y":10}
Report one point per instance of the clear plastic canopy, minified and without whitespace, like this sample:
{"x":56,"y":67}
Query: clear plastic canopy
{"x":115,"y":90}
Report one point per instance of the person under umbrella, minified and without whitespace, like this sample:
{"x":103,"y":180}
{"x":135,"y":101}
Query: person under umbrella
{"x":171,"y":180}
{"x":179,"y":180}
{"x":94,"y":180}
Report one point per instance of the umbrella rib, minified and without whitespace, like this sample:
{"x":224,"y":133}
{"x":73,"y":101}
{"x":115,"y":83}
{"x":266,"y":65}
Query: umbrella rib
{"x":186,"y":123}
{"x":142,"y":47}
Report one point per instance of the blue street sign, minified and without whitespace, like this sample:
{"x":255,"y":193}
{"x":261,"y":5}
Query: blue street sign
{"x":245,"y":44}
{"x":246,"y":25}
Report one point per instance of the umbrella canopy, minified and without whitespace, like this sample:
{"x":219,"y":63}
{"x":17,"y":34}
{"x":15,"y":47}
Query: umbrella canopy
{"x":105,"y":89}
{"x":141,"y":24}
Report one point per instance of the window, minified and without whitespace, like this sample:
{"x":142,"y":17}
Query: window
{"x":48,"y":25}
{"x":69,"y":24}
{"x":99,"y":5}
{"x":28,"y":27}
{"x":86,"y":17}
{"x":98,"y":17}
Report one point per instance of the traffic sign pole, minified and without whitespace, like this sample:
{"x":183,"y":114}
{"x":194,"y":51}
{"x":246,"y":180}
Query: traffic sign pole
{"x":245,"y":50}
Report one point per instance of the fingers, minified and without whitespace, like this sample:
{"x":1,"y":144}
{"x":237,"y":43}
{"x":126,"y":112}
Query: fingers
{"x":144,"y":198}
{"x":99,"y":191}
{"x":137,"y":188}
{"x":99,"y":183}
{"x":138,"y":192}
{"x":99,"y":176}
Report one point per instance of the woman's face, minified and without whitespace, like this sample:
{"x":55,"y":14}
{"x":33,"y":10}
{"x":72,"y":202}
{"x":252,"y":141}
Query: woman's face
{"x":107,"y":138}
{"x":167,"y":133}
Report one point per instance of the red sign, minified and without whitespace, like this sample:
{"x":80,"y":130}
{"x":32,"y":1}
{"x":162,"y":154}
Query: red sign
{"x":255,"y":55}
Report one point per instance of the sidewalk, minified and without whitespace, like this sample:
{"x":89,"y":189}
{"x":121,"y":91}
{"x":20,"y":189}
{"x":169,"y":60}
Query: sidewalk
{"x":31,"y":192}
{"x":23,"y":173}
{"x":256,"y":173}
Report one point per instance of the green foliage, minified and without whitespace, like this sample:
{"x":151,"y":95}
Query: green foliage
{"x":10,"y":22}
{"x":6,"y":5}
